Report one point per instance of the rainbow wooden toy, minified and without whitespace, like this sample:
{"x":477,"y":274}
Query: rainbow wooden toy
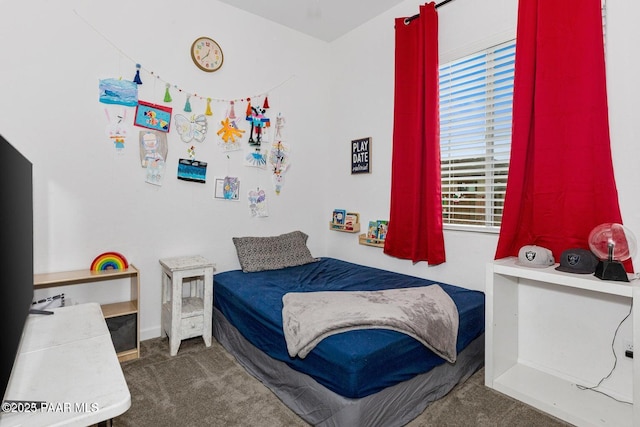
{"x":109,"y":261}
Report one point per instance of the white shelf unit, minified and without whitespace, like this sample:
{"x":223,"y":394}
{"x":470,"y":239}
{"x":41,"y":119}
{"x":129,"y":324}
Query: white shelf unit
{"x":550,"y":393}
{"x":117,"y":309}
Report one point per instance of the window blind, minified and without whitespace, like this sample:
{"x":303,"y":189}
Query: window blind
{"x":476,"y":96}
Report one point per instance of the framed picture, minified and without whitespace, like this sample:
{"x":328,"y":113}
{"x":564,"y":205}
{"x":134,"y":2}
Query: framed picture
{"x":361,"y":155}
{"x":152,"y":116}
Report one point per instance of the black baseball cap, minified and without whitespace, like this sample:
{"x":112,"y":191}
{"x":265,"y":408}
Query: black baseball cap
{"x":578,"y":260}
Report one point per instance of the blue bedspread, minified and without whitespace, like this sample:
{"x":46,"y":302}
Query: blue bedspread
{"x":353,"y":364}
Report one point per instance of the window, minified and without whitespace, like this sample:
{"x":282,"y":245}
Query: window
{"x":476,"y":94}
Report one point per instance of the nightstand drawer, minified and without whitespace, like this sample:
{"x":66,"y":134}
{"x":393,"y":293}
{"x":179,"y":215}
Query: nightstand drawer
{"x":191,"y":326}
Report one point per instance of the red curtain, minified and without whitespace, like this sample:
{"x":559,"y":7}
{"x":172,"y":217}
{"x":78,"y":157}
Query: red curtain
{"x":561,"y":183}
{"x":415,"y":219}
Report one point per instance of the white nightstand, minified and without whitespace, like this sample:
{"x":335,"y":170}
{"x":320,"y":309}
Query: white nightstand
{"x":186,"y":313}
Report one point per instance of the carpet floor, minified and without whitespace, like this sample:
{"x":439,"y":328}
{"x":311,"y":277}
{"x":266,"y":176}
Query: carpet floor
{"x":203,"y":386}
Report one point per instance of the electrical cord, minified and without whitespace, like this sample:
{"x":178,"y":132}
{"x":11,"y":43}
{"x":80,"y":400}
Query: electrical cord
{"x":615,"y":363}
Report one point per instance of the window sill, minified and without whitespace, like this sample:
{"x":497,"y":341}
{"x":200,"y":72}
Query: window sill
{"x":472,"y":228}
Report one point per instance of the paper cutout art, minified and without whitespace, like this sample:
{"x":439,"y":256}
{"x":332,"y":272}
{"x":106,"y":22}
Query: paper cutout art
{"x":152,"y":116}
{"x":258,"y":203}
{"x":121,"y":92}
{"x":279,"y":163}
{"x":116,"y":129}
{"x":155,"y":172}
{"x":109,"y":261}
{"x":191,"y":128}
{"x":256,"y":159}
{"x":231,"y":187}
{"x":256,"y":116}
{"x":278,"y":156}
{"x":227,"y":188}
{"x":229,"y":133}
{"x":153,"y":147}
{"x":192,"y":170}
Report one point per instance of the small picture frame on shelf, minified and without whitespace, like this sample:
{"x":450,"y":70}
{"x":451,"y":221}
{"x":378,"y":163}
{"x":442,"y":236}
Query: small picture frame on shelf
{"x":339,"y":216}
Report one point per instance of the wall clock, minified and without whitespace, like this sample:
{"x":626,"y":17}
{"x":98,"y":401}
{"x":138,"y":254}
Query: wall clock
{"x":206,"y":54}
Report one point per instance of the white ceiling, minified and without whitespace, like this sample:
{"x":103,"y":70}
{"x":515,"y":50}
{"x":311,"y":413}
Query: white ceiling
{"x":323,"y":19}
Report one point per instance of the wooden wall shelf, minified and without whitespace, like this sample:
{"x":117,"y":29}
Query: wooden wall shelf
{"x":341,"y":227}
{"x":368,"y":241}
{"x":63,"y":278}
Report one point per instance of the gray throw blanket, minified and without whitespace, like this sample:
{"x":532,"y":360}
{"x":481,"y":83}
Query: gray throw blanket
{"x":426,"y":313}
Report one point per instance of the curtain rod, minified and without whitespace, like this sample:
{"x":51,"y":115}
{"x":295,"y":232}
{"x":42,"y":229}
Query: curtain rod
{"x":411,"y":18}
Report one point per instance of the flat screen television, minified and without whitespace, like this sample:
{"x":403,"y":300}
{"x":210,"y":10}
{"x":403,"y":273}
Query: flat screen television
{"x":16,"y":237}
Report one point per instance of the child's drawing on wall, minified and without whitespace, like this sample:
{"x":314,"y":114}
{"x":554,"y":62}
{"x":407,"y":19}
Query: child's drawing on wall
{"x":153,"y":147}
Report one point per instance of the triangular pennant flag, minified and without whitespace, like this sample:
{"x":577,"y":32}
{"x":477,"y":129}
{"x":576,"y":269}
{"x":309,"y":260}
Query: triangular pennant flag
{"x":266,"y":102}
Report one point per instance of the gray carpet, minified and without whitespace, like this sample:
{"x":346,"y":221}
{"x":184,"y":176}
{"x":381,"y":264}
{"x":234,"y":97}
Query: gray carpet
{"x":206,"y":387}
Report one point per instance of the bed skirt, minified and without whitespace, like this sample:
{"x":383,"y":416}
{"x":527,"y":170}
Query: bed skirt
{"x":319,"y":406}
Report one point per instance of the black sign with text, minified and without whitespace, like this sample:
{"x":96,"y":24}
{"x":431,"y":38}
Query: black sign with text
{"x":361,"y":155}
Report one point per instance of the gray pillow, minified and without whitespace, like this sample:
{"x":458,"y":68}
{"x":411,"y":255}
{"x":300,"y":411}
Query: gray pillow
{"x":273,"y":252}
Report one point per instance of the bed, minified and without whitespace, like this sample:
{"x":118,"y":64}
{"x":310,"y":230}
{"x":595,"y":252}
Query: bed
{"x":357,"y":378}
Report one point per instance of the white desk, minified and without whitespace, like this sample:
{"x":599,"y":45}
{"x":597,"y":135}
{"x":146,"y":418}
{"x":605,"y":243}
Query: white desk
{"x":68,"y":361}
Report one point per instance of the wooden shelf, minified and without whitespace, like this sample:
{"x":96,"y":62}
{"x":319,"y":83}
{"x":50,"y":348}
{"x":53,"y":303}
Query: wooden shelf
{"x":123,"y":356}
{"x":341,"y":227}
{"x":48,"y":280}
{"x":368,"y":241}
{"x":109,"y":311}
{"x":119,"y":309}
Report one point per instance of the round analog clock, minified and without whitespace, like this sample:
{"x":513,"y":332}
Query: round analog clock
{"x":206,"y":54}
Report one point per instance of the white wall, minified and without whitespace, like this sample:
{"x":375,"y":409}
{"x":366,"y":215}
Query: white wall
{"x":362,"y":105}
{"x":88,"y":199}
